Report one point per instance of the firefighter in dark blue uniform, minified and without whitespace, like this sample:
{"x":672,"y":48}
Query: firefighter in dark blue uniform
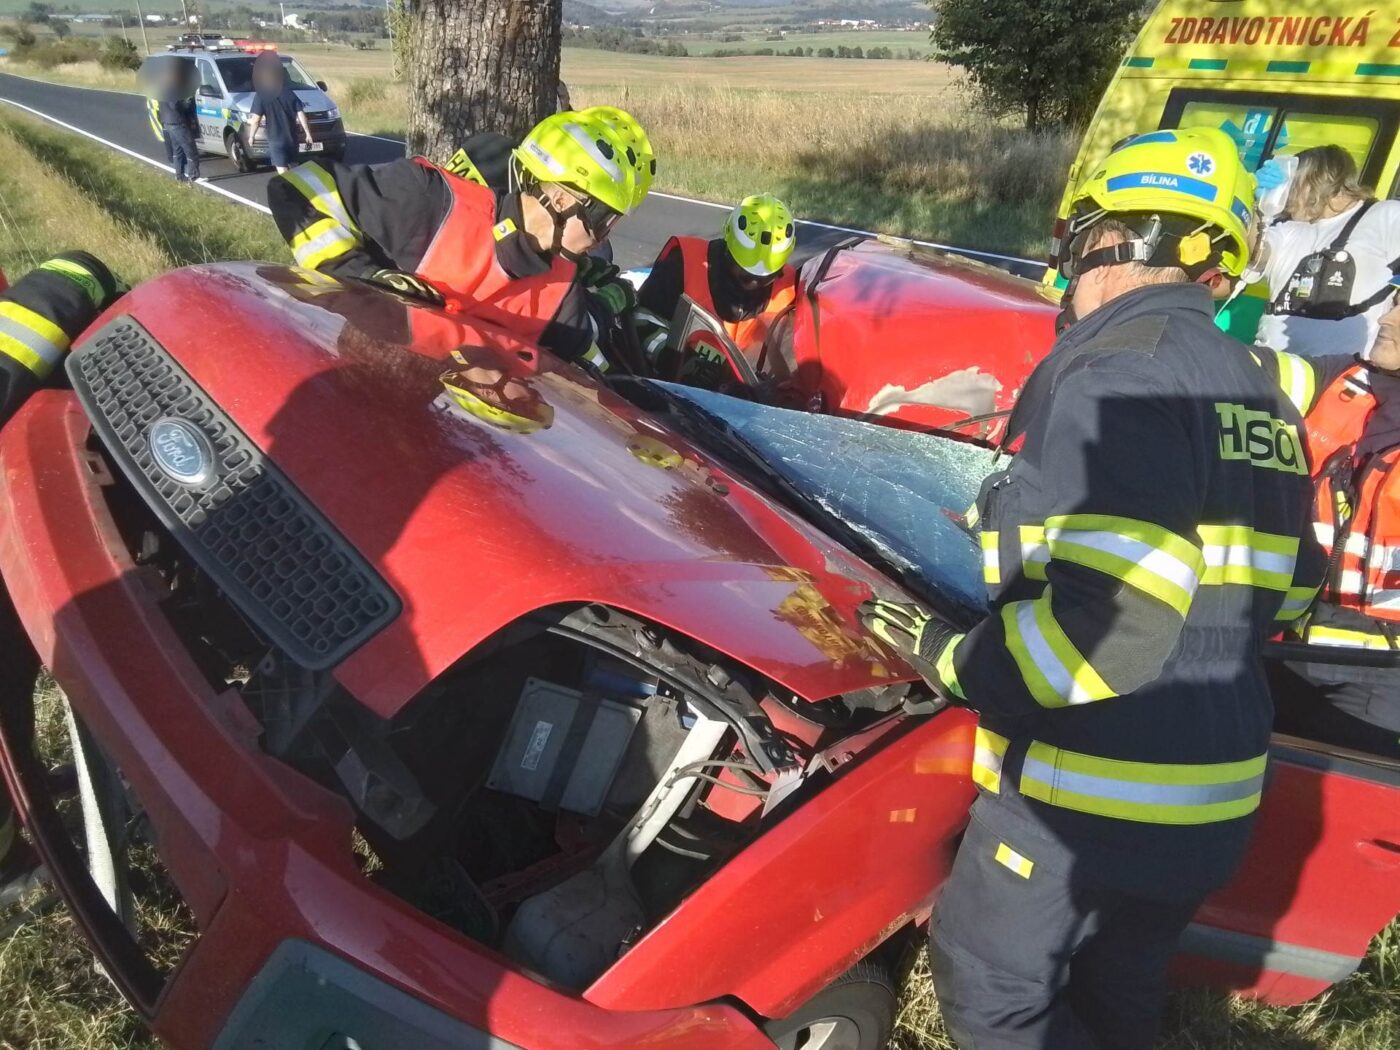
{"x":39,"y":316}
{"x":1145,"y":540}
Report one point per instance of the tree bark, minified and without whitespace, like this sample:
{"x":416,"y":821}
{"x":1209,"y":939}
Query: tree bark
{"x":479,"y":65}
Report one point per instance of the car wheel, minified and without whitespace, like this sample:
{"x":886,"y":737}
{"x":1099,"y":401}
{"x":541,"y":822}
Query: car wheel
{"x":238,"y":153}
{"x":854,"y":1012}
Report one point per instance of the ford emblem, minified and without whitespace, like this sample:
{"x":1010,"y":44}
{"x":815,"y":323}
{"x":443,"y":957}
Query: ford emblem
{"x":181,"y":451}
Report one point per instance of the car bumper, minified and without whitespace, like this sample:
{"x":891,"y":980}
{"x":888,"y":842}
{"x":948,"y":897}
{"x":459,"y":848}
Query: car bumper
{"x":261,"y":855}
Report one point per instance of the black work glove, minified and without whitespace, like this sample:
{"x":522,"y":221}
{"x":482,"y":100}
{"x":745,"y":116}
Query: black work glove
{"x":407,"y":284}
{"x":918,"y":637}
{"x":617,"y":298}
{"x":593,"y":271}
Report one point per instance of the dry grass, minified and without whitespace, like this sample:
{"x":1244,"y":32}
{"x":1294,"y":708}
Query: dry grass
{"x":78,"y":74}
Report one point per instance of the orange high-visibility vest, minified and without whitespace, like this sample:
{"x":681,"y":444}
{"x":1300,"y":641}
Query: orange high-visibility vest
{"x":461,"y":263}
{"x":749,"y":334}
{"x":1357,"y":508}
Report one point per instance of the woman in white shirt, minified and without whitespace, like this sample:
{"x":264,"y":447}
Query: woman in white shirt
{"x":1329,"y":259}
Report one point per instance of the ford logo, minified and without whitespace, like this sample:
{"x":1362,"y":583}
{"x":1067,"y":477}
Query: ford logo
{"x":181,"y":451}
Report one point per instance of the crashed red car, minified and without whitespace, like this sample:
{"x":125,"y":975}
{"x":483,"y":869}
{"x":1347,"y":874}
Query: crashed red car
{"x":542,"y":721}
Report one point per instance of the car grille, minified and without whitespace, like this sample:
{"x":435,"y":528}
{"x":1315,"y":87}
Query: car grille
{"x":276,"y":557}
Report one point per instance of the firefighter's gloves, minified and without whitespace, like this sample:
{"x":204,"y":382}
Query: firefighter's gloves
{"x":918,"y":637}
{"x":407,"y":284}
{"x":612,"y":292}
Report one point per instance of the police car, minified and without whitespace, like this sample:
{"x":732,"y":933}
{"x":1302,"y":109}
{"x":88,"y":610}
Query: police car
{"x":224,"y":102}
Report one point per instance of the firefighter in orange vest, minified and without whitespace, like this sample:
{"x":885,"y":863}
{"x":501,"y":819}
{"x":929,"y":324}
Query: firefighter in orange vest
{"x":742,"y":278}
{"x":1353,"y":437}
{"x":505,"y":254}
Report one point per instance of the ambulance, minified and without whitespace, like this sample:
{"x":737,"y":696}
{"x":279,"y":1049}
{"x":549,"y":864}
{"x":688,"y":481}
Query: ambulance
{"x":1280,"y":76}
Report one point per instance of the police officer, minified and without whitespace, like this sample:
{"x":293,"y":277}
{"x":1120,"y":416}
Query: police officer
{"x":509,"y":254}
{"x":40,"y":315}
{"x":1141,"y":545}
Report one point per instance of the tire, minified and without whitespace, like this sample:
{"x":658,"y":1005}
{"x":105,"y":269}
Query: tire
{"x":855,"y":1012}
{"x":237,"y":153}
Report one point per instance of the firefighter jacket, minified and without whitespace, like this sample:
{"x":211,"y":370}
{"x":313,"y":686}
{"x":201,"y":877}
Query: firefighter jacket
{"x":700,"y":269}
{"x":465,"y":239}
{"x":41,"y":314}
{"x":1138,"y":550}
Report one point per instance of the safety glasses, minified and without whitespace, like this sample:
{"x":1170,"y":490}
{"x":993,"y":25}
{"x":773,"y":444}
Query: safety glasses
{"x":596,"y":216}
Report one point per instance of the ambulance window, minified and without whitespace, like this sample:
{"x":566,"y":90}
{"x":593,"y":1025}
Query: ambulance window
{"x":1301,"y":131}
{"x":1248,"y":125}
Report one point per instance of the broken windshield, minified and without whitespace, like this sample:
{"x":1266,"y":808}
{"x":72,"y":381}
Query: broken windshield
{"x":903,"y":493}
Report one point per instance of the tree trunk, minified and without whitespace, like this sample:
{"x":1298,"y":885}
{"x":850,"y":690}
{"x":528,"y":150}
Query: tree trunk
{"x":479,"y":65}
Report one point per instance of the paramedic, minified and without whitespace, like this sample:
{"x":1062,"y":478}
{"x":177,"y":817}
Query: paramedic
{"x":1329,"y":259}
{"x":1139,"y":549}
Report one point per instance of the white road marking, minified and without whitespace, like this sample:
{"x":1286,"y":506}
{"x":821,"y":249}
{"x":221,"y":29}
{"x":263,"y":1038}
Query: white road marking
{"x":137,"y":156}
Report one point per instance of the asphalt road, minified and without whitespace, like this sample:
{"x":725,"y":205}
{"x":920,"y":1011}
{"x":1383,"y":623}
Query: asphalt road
{"x":119,"y":118}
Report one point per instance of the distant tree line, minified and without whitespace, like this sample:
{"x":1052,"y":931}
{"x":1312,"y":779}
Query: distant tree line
{"x":628,"y":41}
{"x":878,"y":52}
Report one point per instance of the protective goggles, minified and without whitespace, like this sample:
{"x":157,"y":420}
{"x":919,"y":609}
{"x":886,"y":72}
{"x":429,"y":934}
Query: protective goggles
{"x":596,"y":216}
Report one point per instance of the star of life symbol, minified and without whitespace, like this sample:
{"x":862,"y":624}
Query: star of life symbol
{"x":1201,"y":163}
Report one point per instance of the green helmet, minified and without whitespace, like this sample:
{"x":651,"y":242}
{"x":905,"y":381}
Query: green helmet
{"x":1186,"y":192}
{"x":585,"y":153}
{"x":760,"y":235}
{"x":641,"y":156}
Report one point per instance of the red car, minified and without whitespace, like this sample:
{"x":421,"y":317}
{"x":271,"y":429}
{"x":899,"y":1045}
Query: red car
{"x":465,"y":700}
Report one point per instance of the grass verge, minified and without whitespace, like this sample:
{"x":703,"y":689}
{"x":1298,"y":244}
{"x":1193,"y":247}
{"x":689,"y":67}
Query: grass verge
{"x":59,"y":191}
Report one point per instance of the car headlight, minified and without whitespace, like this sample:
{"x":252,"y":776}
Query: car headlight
{"x":333,"y":113}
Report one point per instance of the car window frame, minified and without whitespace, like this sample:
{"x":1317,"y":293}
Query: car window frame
{"x":1385,"y":112}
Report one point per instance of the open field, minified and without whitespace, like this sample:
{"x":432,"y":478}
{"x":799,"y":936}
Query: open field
{"x":59,"y":190}
{"x":896,"y":40}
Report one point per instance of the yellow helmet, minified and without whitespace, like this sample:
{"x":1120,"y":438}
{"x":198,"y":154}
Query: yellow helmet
{"x":1186,"y":193}
{"x":585,"y":153}
{"x":641,"y":157}
{"x":760,"y":235}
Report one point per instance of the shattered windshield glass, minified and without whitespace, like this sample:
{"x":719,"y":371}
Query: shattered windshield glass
{"x":904,"y":493}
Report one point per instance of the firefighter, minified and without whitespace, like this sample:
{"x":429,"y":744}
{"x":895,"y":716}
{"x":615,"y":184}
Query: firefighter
{"x":740,"y":277}
{"x":510,"y":255}
{"x":1353,"y":435}
{"x":1139,"y":548}
{"x":40,"y":315}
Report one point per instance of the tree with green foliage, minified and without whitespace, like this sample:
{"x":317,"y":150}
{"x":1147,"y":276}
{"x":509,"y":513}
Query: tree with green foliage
{"x":120,"y":54}
{"x":60,"y":28}
{"x":1049,"y":60}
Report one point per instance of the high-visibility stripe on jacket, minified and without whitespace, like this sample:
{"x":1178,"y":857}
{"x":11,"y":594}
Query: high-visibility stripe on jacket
{"x":1142,"y":544}
{"x":153,"y":114}
{"x":461,"y":263}
{"x":40,"y":315}
{"x":750,"y":333}
{"x":335,"y":234}
{"x":1357,"y":506}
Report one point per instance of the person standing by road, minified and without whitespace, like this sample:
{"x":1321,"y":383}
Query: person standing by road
{"x":171,"y":83}
{"x":1143,"y":543}
{"x":280,"y":108}
{"x":1329,"y":259}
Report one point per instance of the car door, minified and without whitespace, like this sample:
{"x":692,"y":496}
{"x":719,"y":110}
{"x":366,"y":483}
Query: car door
{"x":1321,"y":878}
{"x":211,"y":105}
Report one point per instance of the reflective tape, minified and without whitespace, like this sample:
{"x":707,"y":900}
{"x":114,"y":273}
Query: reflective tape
{"x":1054,"y":671}
{"x":947,"y":673}
{"x":1035,"y":552}
{"x":79,"y":275}
{"x":1327,"y":536}
{"x":1296,"y":602}
{"x":1238,"y":554}
{"x":988,"y":754}
{"x":595,"y":357}
{"x":1148,"y":792}
{"x":316,"y":185}
{"x":1343,"y":638}
{"x":991,"y":557}
{"x":31,"y":339}
{"x":1147,"y":557}
{"x":322,"y":241}
{"x":1009,"y":858}
{"x":1297,"y":380}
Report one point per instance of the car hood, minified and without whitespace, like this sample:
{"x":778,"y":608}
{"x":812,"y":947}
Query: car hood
{"x":475,"y":525}
{"x":315,"y":100}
